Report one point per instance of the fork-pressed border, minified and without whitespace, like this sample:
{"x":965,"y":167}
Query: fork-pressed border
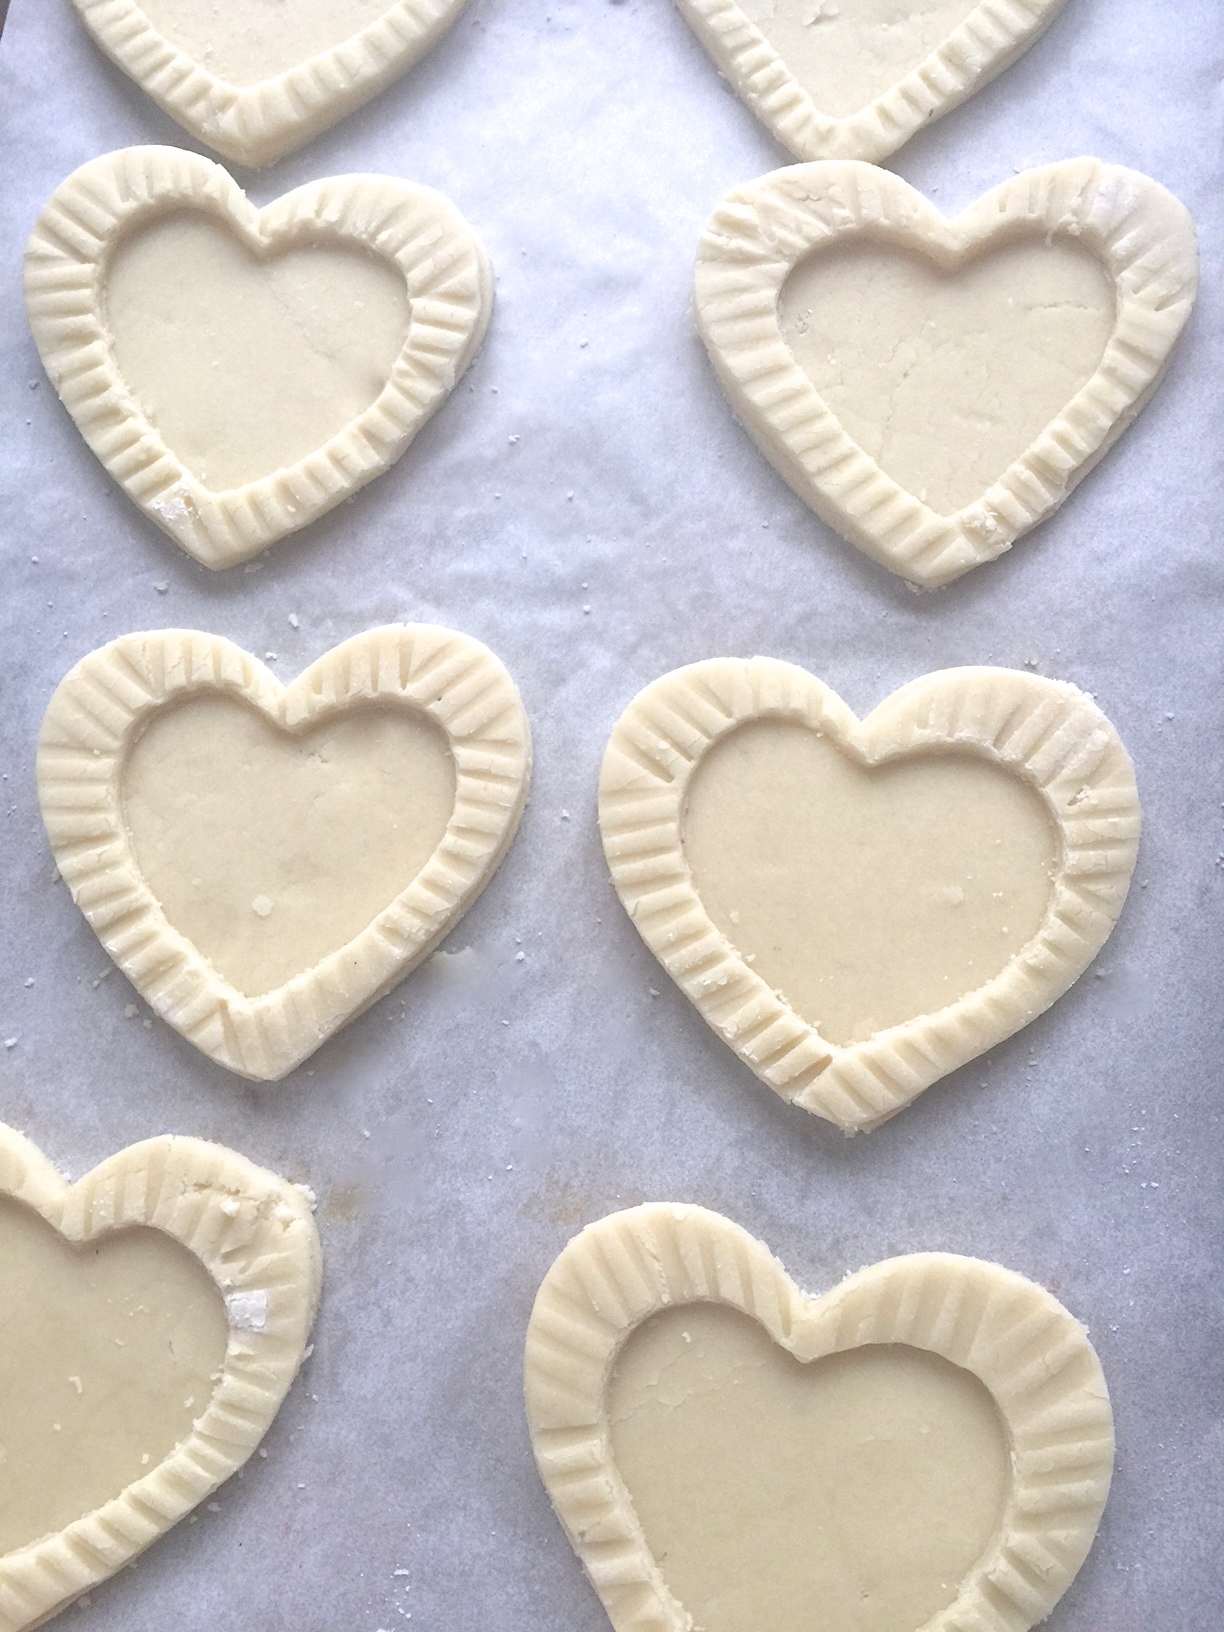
{"x":98,"y":711}
{"x":1025,"y":1348}
{"x":1142,"y":235}
{"x":254,"y":1234}
{"x":262,"y":121}
{"x":988,"y":40}
{"x":1045,"y":731}
{"x":446,"y":274}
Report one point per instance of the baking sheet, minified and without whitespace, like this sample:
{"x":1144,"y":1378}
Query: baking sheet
{"x":586,"y":505}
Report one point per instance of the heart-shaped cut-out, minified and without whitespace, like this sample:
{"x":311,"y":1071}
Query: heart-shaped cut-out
{"x":256,"y":81}
{"x":932,"y":387}
{"x":213,"y":824}
{"x":859,"y":907}
{"x":238,"y":371}
{"x":855,"y":79}
{"x":663,"y":1480}
{"x":102,"y":1451}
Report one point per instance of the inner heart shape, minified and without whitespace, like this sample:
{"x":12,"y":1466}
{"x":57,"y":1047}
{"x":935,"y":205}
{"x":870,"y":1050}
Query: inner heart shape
{"x":109,"y":1352}
{"x":846,"y":52}
{"x":865,"y":1485}
{"x":263,"y":38}
{"x":268,"y":849}
{"x":244,"y":361}
{"x":865,"y":895}
{"x":946,"y":376}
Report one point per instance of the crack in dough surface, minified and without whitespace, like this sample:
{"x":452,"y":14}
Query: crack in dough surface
{"x":946,"y":378}
{"x":270,"y":849}
{"x":845,"y":52}
{"x":854,"y":1493}
{"x":864,"y":896}
{"x":247,"y":363}
{"x":257,"y":39}
{"x":108,"y":1354}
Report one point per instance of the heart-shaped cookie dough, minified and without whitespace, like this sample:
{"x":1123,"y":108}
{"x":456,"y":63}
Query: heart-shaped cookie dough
{"x":934,"y":387}
{"x":256,"y":80}
{"x":264,"y":861}
{"x":142,"y":1372}
{"x":920,"y":884}
{"x":942,"y":1467}
{"x":238,"y":371}
{"x":855,"y":79}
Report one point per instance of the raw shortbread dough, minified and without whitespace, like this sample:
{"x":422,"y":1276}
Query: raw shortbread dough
{"x":249,"y":369}
{"x":256,"y":80}
{"x":855,"y":79}
{"x":107,"y":1357}
{"x":924,"y":877}
{"x":721,"y":1437}
{"x":157,"y":1312}
{"x":934,"y":388}
{"x":256,"y":361}
{"x":858,"y":907}
{"x":724,"y":1451}
{"x":268,"y":851}
{"x":946,"y":378}
{"x":263,"y":861}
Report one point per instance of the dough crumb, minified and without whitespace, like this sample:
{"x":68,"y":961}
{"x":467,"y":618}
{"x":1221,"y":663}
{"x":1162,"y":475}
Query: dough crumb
{"x":247,"y":1311}
{"x":262,"y":906}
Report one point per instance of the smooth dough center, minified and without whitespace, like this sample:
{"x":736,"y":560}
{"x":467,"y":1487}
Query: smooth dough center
{"x":946,"y":378}
{"x":854,"y":1493}
{"x":269,"y":849}
{"x":845,"y":52}
{"x":108,"y":1354}
{"x":247,"y":363}
{"x":258,"y":39}
{"x":864,"y":896}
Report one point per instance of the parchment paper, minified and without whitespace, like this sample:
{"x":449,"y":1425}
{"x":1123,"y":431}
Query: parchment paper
{"x":586,"y":505}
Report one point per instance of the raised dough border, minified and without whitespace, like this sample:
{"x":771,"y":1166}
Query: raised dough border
{"x":100,"y":707}
{"x":1019,"y":1341}
{"x":268,"y":1246}
{"x":989,"y":39}
{"x":445,"y":270}
{"x":258,"y":123}
{"x":1142,"y":235}
{"x":1044,"y":730}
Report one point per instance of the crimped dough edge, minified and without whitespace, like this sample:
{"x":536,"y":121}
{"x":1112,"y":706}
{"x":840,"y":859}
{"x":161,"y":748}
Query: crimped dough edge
{"x":1046,"y":731}
{"x":185,"y":1188}
{"x":103,"y":702}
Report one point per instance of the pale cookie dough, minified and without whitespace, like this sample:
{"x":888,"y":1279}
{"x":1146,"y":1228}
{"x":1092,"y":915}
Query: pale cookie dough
{"x":934,"y":387}
{"x":254,"y":79}
{"x":263,"y":861}
{"x":238,"y":371}
{"x":854,"y":79}
{"x":926,"y":1448}
{"x":155,"y":1314}
{"x":857,"y":907}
